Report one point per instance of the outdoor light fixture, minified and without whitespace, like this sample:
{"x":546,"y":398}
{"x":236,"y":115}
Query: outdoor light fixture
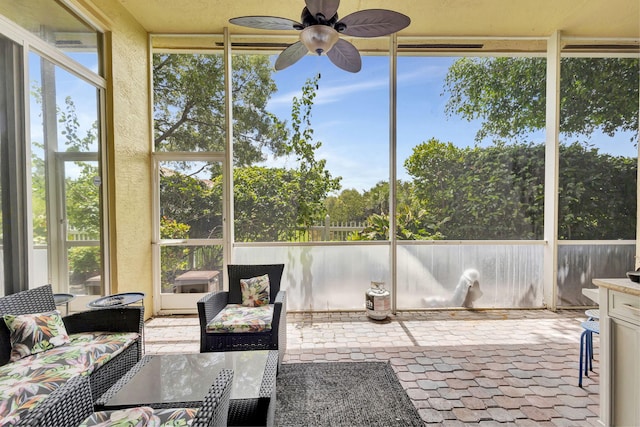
{"x":319,"y":38}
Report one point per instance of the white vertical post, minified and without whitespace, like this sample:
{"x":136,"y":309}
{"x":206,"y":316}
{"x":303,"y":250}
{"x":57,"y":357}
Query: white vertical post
{"x":551,"y":167}
{"x":637,"y":263}
{"x":327,"y":230}
{"x":227,"y":175}
{"x":393,"y":95}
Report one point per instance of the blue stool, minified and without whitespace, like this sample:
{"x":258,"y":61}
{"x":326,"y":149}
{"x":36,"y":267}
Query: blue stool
{"x":586,"y":347}
{"x":592,"y":314}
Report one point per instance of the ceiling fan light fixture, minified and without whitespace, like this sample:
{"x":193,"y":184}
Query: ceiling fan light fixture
{"x":319,"y":38}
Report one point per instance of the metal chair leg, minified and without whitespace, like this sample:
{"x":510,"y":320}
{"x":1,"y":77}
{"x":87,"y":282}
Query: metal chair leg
{"x":582,"y":345}
{"x":587,"y":357}
{"x":590,"y":351}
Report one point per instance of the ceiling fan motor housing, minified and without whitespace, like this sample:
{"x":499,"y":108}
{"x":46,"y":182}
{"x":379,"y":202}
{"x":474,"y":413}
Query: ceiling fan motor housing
{"x":319,"y":19}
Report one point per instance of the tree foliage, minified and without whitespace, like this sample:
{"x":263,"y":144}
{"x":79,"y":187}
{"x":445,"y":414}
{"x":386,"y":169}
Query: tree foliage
{"x":273,"y":204}
{"x":497,"y":192}
{"x":83,"y":200}
{"x":81,"y":195}
{"x":191,"y":201}
{"x":597,"y":195}
{"x":189,"y":106}
{"x":265,"y":204}
{"x":349,"y":205}
{"x":508,"y":94}
{"x":315,"y":181}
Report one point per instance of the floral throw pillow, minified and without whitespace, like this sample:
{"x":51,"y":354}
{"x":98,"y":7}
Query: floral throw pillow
{"x":34,"y":333}
{"x":255,"y":291}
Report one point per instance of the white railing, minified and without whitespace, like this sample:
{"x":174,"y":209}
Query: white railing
{"x":335,"y":275}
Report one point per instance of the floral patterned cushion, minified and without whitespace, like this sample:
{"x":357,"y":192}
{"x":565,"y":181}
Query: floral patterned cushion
{"x":238,"y":318}
{"x":125,"y":418}
{"x":255,"y":291}
{"x":35,"y":333}
{"x":24,"y":384}
{"x":141,"y":416}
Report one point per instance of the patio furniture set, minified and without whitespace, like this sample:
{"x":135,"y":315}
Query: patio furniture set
{"x":87,"y":368}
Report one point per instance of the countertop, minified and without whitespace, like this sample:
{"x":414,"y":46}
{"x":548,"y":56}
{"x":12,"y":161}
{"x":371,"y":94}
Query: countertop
{"x":592,"y":293}
{"x":621,"y":285}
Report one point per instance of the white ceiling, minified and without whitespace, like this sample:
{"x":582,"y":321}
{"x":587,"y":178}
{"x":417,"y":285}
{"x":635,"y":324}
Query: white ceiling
{"x":482,"y":18}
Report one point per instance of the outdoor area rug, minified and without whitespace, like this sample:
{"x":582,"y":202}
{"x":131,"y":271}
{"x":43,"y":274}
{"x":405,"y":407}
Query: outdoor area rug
{"x":342,"y":394}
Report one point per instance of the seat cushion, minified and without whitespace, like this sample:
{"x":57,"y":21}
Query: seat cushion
{"x":25,"y":383}
{"x":238,"y":318}
{"x":141,"y":416}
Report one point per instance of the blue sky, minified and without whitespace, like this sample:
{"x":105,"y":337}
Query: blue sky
{"x":350,"y":115}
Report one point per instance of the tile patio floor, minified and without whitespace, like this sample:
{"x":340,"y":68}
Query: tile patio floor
{"x":474,"y":368}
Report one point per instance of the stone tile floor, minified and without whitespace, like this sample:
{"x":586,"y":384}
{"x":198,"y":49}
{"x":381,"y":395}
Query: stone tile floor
{"x":459,"y":367}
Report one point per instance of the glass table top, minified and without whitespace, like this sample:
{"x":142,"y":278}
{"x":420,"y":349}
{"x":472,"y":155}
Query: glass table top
{"x":188,"y":377}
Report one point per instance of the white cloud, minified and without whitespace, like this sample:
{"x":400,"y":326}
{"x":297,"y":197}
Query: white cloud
{"x":328,"y":93}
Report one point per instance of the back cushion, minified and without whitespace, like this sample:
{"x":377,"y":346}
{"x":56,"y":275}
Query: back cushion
{"x":5,"y":344}
{"x":247,"y":271}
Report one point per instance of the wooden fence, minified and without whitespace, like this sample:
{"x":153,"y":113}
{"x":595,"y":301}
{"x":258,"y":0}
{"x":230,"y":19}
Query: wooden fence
{"x":330,"y":231}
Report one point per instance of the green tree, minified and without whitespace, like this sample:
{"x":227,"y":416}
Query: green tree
{"x":349,"y":205}
{"x":271,"y":204}
{"x":265,"y":204}
{"x":409,"y":226}
{"x":189,"y":100}
{"x":38,"y":196}
{"x":274,"y":204}
{"x":412,"y":221}
{"x":84,"y":262}
{"x":480,"y":193}
{"x":83,"y":200}
{"x":597,"y":194}
{"x":509,"y":94}
{"x":193,"y":202}
{"x":314,"y":180}
{"x":70,"y":124}
{"x":82,"y":196}
{"x":497,"y":192}
{"x":596,"y":94}
{"x":377,"y":198}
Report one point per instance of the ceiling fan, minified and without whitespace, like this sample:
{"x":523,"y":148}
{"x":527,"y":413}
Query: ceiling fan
{"x":320,"y":29}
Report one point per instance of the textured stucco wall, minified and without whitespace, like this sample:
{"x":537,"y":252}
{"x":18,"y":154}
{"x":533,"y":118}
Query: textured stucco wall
{"x":129,"y":153}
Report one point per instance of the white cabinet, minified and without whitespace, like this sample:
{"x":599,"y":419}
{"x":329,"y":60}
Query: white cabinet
{"x":625,"y":373}
{"x":620,"y":352}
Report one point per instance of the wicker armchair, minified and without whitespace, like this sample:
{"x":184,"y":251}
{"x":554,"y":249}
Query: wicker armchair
{"x":210,"y":305}
{"x":71,"y":404}
{"x":115,"y":319}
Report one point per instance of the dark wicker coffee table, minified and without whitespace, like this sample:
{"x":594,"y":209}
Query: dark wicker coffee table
{"x":182,"y":380}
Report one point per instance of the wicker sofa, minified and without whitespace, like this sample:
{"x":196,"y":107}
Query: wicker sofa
{"x":102,"y":344}
{"x":76,"y":393}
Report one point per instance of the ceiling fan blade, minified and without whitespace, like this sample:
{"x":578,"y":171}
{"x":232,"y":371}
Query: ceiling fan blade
{"x":266,"y":22}
{"x":290,"y":55}
{"x":328,"y":8}
{"x":374,"y":23}
{"x":345,"y":55}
